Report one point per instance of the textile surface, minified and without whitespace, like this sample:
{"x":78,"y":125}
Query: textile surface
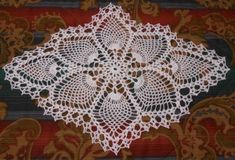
{"x":207,"y":133}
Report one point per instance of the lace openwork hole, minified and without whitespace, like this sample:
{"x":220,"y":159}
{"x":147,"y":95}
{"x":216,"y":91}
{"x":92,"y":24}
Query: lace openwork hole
{"x":44,"y":93}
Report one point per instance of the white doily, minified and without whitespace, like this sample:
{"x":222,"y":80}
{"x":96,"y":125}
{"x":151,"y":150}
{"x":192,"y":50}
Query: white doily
{"x":116,"y":78}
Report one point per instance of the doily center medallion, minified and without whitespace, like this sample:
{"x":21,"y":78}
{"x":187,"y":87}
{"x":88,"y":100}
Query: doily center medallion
{"x":119,"y":69}
{"x":116,"y":78}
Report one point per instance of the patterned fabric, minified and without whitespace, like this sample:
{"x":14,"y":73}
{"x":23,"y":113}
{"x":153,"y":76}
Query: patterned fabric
{"x":207,"y":133}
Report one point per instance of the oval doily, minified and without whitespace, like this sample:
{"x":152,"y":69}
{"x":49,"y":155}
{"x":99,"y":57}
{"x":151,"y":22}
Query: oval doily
{"x":116,"y":78}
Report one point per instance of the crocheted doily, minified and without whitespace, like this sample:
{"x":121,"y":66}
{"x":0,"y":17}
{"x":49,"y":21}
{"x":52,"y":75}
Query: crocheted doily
{"x":116,"y":78}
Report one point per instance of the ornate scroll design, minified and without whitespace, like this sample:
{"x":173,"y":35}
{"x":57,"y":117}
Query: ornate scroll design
{"x":17,"y":3}
{"x":86,"y":4}
{"x":14,"y":36}
{"x":195,"y":29}
{"x":223,"y":27}
{"x":48,"y":24}
{"x":71,"y":143}
{"x":195,"y":139}
{"x":222,"y":4}
{"x":17,"y":139}
{"x":132,"y":6}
